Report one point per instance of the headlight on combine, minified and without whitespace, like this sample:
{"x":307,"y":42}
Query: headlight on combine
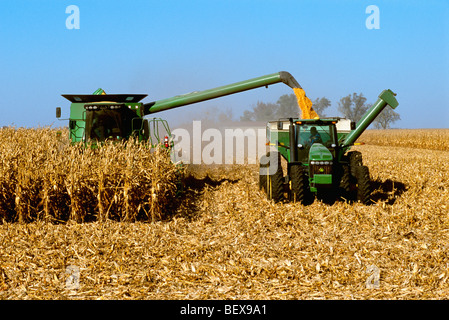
{"x":103,"y":106}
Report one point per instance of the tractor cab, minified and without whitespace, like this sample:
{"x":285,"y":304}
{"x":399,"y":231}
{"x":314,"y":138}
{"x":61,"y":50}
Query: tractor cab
{"x":318,"y":136}
{"x":311,"y":132}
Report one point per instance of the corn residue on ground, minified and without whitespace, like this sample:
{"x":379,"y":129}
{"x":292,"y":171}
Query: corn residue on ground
{"x":224,"y":240}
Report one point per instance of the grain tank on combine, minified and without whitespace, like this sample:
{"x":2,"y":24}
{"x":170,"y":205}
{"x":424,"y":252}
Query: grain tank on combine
{"x":319,"y":162}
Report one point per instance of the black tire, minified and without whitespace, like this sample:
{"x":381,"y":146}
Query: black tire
{"x":345,"y":182}
{"x":299,"y":185}
{"x":274,"y":178}
{"x":363,"y":184}
{"x":275,"y":187}
{"x":348,"y":188}
{"x":262,"y":173}
{"x":355,"y":160}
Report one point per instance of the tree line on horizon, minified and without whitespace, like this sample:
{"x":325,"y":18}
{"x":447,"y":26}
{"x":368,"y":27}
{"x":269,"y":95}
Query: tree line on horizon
{"x":353,"y":106}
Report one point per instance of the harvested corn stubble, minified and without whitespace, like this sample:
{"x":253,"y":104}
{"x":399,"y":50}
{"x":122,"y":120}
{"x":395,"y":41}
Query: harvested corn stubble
{"x":227,"y":241}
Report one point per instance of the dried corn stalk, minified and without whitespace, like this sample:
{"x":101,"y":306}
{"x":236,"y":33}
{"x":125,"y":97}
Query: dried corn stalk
{"x":44,"y":177}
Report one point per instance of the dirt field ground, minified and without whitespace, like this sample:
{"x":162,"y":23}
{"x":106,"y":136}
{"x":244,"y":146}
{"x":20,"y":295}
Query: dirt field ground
{"x":226,"y":241}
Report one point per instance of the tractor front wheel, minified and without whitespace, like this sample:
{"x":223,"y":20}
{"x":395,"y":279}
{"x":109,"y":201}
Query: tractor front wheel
{"x":348,"y":187}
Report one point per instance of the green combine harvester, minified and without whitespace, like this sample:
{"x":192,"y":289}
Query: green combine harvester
{"x":99,"y":116}
{"x":320,"y":166}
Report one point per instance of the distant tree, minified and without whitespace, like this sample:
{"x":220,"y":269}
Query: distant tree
{"x":320,"y":104}
{"x":261,"y":112}
{"x":353,"y":107}
{"x":225,"y":116}
{"x":247,"y":116}
{"x":214,"y":115}
{"x":209,"y":114}
{"x":386,"y":118}
{"x":287,"y":107}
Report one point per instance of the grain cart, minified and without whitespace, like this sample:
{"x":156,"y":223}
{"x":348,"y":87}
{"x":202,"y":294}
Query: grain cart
{"x":318,"y":161}
{"x":99,"y":116}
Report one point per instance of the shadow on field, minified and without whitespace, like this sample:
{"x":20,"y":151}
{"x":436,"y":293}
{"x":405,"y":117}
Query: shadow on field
{"x":387,"y":191}
{"x":384,"y":191}
{"x":191,"y":200}
{"x":199,"y":184}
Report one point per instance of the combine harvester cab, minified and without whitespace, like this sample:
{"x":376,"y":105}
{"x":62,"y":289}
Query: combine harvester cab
{"x":98,"y":117}
{"x":319,"y":162}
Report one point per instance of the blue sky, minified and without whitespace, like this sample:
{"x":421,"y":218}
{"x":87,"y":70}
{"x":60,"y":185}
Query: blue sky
{"x":166,"y":48}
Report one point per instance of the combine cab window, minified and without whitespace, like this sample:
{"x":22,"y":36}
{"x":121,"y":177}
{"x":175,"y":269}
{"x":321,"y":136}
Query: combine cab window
{"x":105,"y":124}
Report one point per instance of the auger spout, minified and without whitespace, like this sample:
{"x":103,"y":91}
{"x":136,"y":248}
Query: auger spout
{"x":387,"y":97}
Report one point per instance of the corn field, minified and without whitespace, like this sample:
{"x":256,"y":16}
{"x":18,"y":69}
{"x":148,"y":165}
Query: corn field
{"x":223,"y":239}
{"x":433,"y":139}
{"x":43,"y":177}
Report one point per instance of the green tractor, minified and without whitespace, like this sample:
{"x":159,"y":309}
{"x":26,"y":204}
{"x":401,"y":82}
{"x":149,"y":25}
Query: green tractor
{"x":318,"y":159}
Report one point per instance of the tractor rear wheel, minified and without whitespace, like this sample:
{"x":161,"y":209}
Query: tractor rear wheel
{"x":299,"y":185}
{"x":274,"y":177}
{"x":275,"y":187}
{"x":363,"y":184}
{"x":263,"y":165}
